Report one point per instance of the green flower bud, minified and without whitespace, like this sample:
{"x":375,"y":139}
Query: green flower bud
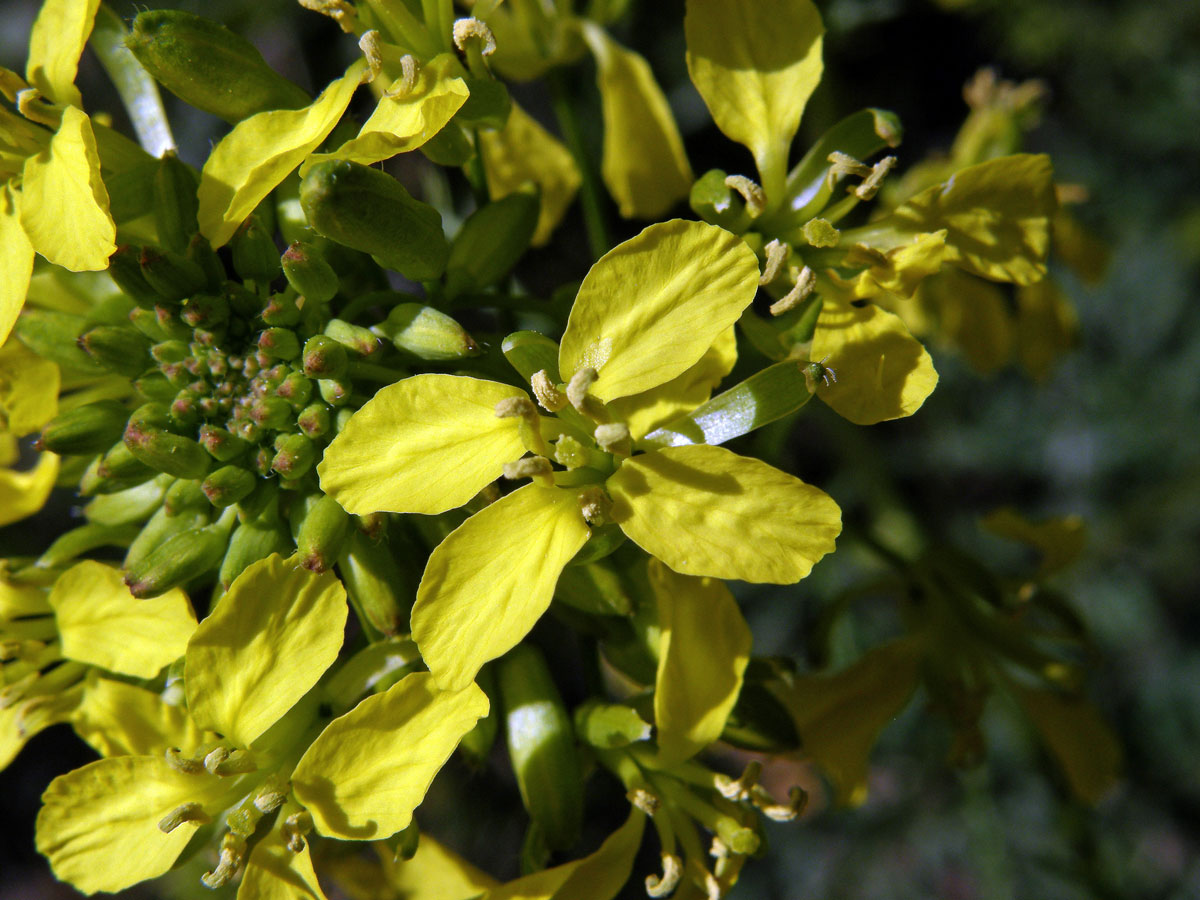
{"x":126,"y":271}
{"x":295,"y":455}
{"x":172,"y":275}
{"x":279,"y":343}
{"x":255,"y":256}
{"x":281,"y":310}
{"x":222,"y":445}
{"x":377,"y":586}
{"x":324,"y":357}
{"x":272,"y":413}
{"x":296,"y":389}
{"x":161,"y":527}
{"x":488,"y":105}
{"x":208,"y":66}
{"x":175,"y":202}
{"x":179,"y":559}
{"x":119,"y":349}
{"x":229,"y":485}
{"x":87,"y":429}
{"x":314,"y":420}
{"x":307,"y":271}
{"x":185,"y":495}
{"x":170,"y":324}
{"x":84,"y":539}
{"x":354,"y":337}
{"x":490,"y":242}
{"x":251,"y":541}
{"x":120,"y":463}
{"x":369,"y":210}
{"x":146,"y":322}
{"x":200,"y":251}
{"x":207,"y":311}
{"x":166,"y":452}
{"x":335,"y":391}
{"x":427,"y":333}
{"x":320,"y":527}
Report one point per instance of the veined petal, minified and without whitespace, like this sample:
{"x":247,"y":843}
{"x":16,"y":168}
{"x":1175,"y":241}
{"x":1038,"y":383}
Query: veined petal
{"x":16,"y":261}
{"x":902,"y":268}
{"x":646,"y":411}
{"x":703,"y":653}
{"x":755,"y":63}
{"x":98,"y":825}
{"x":56,"y":42}
{"x":652,"y":306}
{"x":883,"y":372}
{"x":491,"y":579}
{"x":707,"y":511}
{"x":24,"y":493}
{"x":404,"y":123}
{"x":971,"y":313}
{"x":265,"y":643}
{"x":28,"y":389}
{"x":422,"y":445}
{"x":644,"y":164}
{"x":436,"y":873}
{"x":62,"y":185}
{"x":261,"y":151}
{"x":598,"y":876}
{"x":104,"y":625}
{"x":120,"y":719}
{"x":275,"y":872}
{"x":17,"y":600}
{"x":369,"y":769}
{"x":523,"y":152}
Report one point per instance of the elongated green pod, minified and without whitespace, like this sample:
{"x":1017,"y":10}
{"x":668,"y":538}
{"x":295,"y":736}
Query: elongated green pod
{"x":490,"y":242}
{"x":91,"y":428}
{"x":161,"y":527}
{"x":208,"y":66}
{"x":376,"y":584}
{"x":371,"y":211}
{"x":320,"y":527}
{"x":84,"y":539}
{"x":541,"y":744}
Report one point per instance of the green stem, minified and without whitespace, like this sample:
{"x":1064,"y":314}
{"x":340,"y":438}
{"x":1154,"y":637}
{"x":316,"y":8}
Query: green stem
{"x":590,"y":191}
{"x":137,"y":89}
{"x":476,"y":174}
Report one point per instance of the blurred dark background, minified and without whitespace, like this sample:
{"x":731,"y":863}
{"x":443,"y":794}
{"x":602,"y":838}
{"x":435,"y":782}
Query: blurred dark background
{"x":1111,"y":435}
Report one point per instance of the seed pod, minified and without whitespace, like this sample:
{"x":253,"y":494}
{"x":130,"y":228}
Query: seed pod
{"x":126,"y":271}
{"x":119,"y":349}
{"x":320,"y":527}
{"x":91,"y":428}
{"x":208,"y":66}
{"x":370,"y":211}
{"x":427,"y":333}
{"x":229,"y":485}
{"x":541,"y":744}
{"x":179,"y":559}
{"x":255,"y":256}
{"x":175,"y":202}
{"x":307,"y":271}
{"x":490,"y":242}
{"x":172,"y":275}
{"x":376,"y":584}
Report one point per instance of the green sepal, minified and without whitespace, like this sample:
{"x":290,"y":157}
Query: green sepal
{"x":610,"y":725}
{"x":87,"y":429}
{"x":594,"y":589}
{"x":307,"y":271}
{"x":450,"y":147}
{"x":490,"y":242}
{"x":378,"y":587}
{"x":426,"y":333}
{"x":604,"y":540}
{"x":717,"y":203}
{"x":487,"y":106}
{"x":117,"y":348}
{"x":529,"y":352}
{"x":175,"y":203}
{"x":476,"y":745}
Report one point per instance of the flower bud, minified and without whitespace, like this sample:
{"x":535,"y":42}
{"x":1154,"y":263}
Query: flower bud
{"x":125,"y":269}
{"x":320,"y":527}
{"x":179,"y":559}
{"x":229,"y":485}
{"x":255,"y":256}
{"x":376,"y":584}
{"x":279,"y":343}
{"x":172,"y":275}
{"x":307,"y":271}
{"x":427,"y":333}
{"x":87,"y":429}
{"x":324,"y":357}
{"x":175,"y":202}
{"x":295,"y":455}
{"x":490,"y":242}
{"x":165,"y":452}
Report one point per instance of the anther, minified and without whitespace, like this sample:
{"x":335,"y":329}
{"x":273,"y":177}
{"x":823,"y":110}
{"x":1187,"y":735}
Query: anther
{"x":31,"y":105}
{"x":269,"y":800}
{"x":613,"y":438}
{"x":844,"y":164}
{"x":577,"y":393}
{"x":407,"y":82}
{"x":233,"y":851}
{"x":644,"y":800}
{"x":756,"y":200}
{"x":780,"y":812}
{"x":664,"y":885}
{"x":515,"y":407}
{"x":295,"y":827}
{"x":595,"y":506}
{"x":738,"y":789}
{"x":712,"y":887}
{"x":469,"y":29}
{"x":777,"y":254}
{"x":528,"y":467}
{"x":188,"y":812}
{"x":805,"y":282}
{"x":549,"y":396}
{"x":369,"y":45}
{"x":239,"y":762}
{"x":215,"y":757}
{"x":177,"y":761}
{"x":340,"y":11}
{"x":870,"y":186}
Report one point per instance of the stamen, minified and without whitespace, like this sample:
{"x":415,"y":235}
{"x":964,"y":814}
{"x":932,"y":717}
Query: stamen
{"x":239,"y":762}
{"x":215,"y":757}
{"x":31,"y":105}
{"x":233,"y":851}
{"x":515,"y":407}
{"x":295,"y":827}
{"x":844,"y":164}
{"x":177,"y":761}
{"x":595,"y":506}
{"x":549,"y":396}
{"x":613,"y":438}
{"x":739,"y":789}
{"x":756,"y":200}
{"x":341,"y":11}
{"x":577,"y":393}
{"x":712,"y":887}
{"x":188,"y":812}
{"x":472,"y":29}
{"x":269,"y":800}
{"x":821,"y":233}
{"x":644,"y":800}
{"x":777,"y":254}
{"x":663,"y":886}
{"x":780,"y":812}
{"x":530,"y":426}
{"x":11,"y":84}
{"x":805,"y":282}
{"x":528,"y":467}
{"x":369,"y":45}
{"x":404,"y":85}
{"x":871,"y":184}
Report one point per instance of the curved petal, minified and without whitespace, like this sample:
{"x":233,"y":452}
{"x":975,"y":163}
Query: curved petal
{"x":426,"y":444}
{"x":265,"y":643}
{"x":28,"y":389}
{"x":24,"y":493}
{"x":491,"y":579}
{"x":104,"y":625}
{"x":707,"y":511}
{"x":652,"y":306}
{"x":16,"y":261}
{"x":119,"y":719}
{"x":369,"y":769}
{"x":56,"y":42}
{"x":436,"y":873}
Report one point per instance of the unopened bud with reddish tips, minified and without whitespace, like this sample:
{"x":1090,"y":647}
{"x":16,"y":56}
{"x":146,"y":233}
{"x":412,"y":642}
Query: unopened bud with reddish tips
{"x":314,"y":420}
{"x":353,"y":337}
{"x":279,"y":343}
{"x":126,"y":270}
{"x":184,"y":495}
{"x":376,"y":584}
{"x":255,"y":256}
{"x":272,"y":413}
{"x":146,"y":322}
{"x":320,"y":526}
{"x":334,"y":391}
{"x":229,"y":485}
{"x":261,"y":462}
{"x":296,"y":389}
{"x":308,"y":272}
{"x":179,"y":559}
{"x":222,"y":445}
{"x":172,"y":275}
{"x":200,"y":251}
{"x":119,"y":463}
{"x":175,"y":202}
{"x":165,"y":452}
{"x":295,"y":455}
{"x":169,"y":351}
{"x":281,"y":310}
{"x":170,"y":324}
{"x":208,"y":311}
{"x":185,"y":408}
{"x":324,"y":357}
{"x":91,"y":428}
{"x":118,"y":349}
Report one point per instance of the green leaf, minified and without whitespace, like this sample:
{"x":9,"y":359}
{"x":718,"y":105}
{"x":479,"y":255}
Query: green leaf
{"x":707,"y":511}
{"x":265,"y":643}
{"x":369,"y":769}
{"x":755,"y":63}
{"x":426,"y":444}
{"x":651,"y":307}
{"x":703,"y":653}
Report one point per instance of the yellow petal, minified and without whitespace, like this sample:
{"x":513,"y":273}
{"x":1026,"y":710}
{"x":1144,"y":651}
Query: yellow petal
{"x":755,"y":63}
{"x":651,"y":307}
{"x":523,"y":152}
{"x":646,"y":411}
{"x":598,"y":876}
{"x":839,"y":717}
{"x":104,"y":625}
{"x":1060,"y":540}
{"x":997,"y":217}
{"x":99,"y":825}
{"x":436,"y":873}
{"x":703,"y":653}
{"x":644,"y":164}
{"x":16,"y":261}
{"x":24,"y":493}
{"x":28,"y":390}
{"x":405,"y":122}
{"x":491,"y":579}
{"x":261,"y":151}
{"x":18,"y":600}
{"x":972,"y":314}
{"x":56,"y":42}
{"x":369,"y":769}
{"x":707,"y":511}
{"x":1082,"y":742}
{"x":901,"y":269}
{"x":1046,"y":326}
{"x":275,"y":872}
{"x":120,"y":719}
{"x":62,"y":185}
{"x":422,"y":445}
{"x":882,"y":371}
{"x":265,"y":643}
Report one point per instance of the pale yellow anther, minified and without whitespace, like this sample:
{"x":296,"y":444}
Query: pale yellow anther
{"x":595,"y":506}
{"x":233,"y":853}
{"x":780,"y":812}
{"x":547,"y":394}
{"x":613,"y":437}
{"x":644,"y":800}
{"x":821,"y":233}
{"x":180,"y":763}
{"x":469,"y":29}
{"x":410,"y":69}
{"x":341,"y":11}
{"x":664,"y":885}
{"x":579,"y":385}
{"x":712,"y":887}
{"x":239,"y":762}
{"x":805,"y":282}
{"x":369,"y":44}
{"x":188,"y":812}
{"x":871,"y":184}
{"x":268,"y":800}
{"x":528,"y":467}
{"x":214,"y":759}
{"x":777,"y":253}
{"x":295,"y":827}
{"x":738,"y":789}
{"x":752,"y":194}
{"x":844,"y":164}
{"x":515,"y":408}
